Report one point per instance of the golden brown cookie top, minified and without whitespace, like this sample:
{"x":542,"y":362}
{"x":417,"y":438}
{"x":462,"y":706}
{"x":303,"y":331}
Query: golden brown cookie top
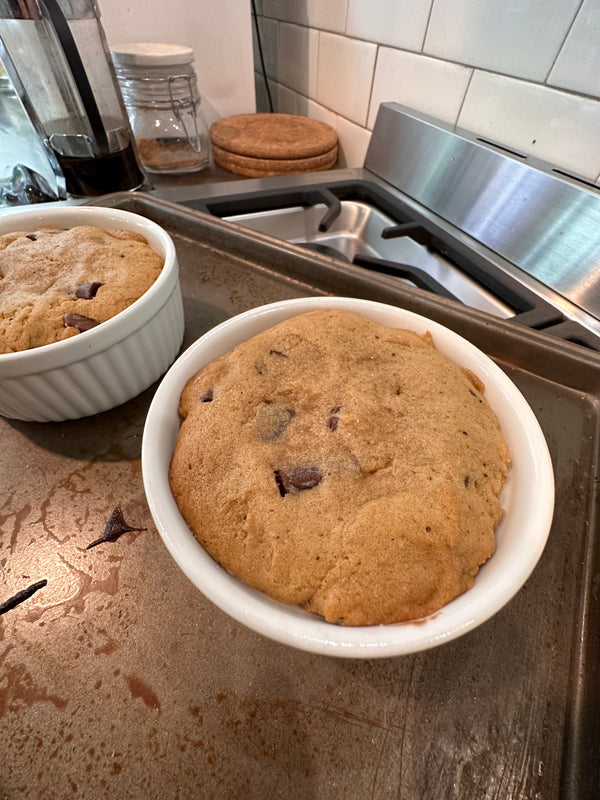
{"x":52,"y":277}
{"x":343,"y":466}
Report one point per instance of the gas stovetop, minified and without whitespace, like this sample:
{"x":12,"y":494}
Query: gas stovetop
{"x":443,"y":211}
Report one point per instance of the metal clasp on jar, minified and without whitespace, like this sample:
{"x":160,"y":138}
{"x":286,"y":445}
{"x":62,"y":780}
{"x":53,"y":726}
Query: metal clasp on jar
{"x":186,"y":107}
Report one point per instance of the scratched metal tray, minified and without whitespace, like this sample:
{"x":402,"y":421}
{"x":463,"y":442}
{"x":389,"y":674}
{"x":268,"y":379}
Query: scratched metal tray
{"x":185,"y":702}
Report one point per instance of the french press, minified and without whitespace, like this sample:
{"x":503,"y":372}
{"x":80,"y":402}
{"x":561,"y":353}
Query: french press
{"x":56,"y":54}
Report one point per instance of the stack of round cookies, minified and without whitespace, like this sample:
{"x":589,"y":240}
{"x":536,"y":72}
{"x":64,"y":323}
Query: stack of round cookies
{"x":261,"y":145}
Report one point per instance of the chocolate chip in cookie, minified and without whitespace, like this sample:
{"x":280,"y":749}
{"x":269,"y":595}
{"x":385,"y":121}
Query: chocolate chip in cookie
{"x":298,"y":478}
{"x":87,"y":291}
{"x":80,"y":322}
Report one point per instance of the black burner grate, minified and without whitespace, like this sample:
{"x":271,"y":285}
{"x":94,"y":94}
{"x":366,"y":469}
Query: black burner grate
{"x":530,"y":309}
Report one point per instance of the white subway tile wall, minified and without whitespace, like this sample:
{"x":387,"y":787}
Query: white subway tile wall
{"x":327,"y":15}
{"x":344,"y":75}
{"x":397,"y":23}
{"x":512,"y":37}
{"x":297,"y":58}
{"x":577,"y":66}
{"x":433,"y":86}
{"x":286,"y":10}
{"x":524,"y":74}
{"x":558,"y":127}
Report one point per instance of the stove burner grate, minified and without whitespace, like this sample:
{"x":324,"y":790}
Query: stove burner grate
{"x":525,"y":307}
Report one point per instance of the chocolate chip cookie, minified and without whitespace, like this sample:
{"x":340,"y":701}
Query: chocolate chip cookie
{"x":343,"y":466}
{"x":56,"y":283}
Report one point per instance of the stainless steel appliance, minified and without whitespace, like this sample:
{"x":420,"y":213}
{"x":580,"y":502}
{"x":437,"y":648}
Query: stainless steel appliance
{"x":446,"y":211}
{"x":56,"y":55}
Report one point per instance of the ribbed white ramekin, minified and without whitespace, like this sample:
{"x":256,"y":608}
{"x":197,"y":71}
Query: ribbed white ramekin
{"x":110,"y":363}
{"x":527,"y":497}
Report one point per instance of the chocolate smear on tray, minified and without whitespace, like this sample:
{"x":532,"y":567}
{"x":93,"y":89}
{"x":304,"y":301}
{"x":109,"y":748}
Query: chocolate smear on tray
{"x":115,"y":527}
{"x":79,"y":321}
{"x":21,"y":596}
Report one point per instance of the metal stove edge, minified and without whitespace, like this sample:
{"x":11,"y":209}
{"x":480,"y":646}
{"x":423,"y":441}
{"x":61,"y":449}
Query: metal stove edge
{"x":533,"y":221}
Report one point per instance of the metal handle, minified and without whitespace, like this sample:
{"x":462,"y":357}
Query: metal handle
{"x":180,"y":106}
{"x":67,"y":42}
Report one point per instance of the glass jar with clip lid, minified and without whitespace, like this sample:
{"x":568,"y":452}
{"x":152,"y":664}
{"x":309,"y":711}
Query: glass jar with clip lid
{"x":160,"y":91}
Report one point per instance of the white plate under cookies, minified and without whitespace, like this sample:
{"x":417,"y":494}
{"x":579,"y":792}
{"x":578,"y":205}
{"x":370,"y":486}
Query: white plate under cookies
{"x":527,"y":497}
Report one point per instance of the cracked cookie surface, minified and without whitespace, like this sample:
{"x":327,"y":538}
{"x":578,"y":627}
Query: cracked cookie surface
{"x":343,"y":466}
{"x":56,"y":283}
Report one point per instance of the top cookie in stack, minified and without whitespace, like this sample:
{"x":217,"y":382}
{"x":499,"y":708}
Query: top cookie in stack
{"x":261,"y":145}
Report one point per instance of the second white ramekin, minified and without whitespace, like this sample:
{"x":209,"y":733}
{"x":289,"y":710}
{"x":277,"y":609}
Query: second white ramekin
{"x":110,"y":363}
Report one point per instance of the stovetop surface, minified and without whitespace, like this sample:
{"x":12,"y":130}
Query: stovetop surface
{"x":360,"y":235}
{"x":520,"y":228}
{"x":447,"y":261}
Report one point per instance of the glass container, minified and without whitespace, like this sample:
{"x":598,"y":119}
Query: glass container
{"x":56,"y":55}
{"x":160,"y":91}
{"x":22,"y":155}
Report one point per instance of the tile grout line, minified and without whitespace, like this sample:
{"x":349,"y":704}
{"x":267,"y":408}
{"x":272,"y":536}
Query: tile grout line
{"x":464,"y":98}
{"x":562,"y":44}
{"x":318,"y":68}
{"x":426,"y":31}
{"x":371,"y":86}
{"x":346,"y":18}
{"x":474,"y":68}
{"x":319,"y":103}
{"x":541,"y":82}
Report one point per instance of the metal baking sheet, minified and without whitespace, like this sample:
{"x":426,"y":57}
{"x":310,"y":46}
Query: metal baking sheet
{"x":119,"y":679}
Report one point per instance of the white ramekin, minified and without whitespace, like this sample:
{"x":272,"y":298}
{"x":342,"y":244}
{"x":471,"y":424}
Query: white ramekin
{"x":110,"y":363}
{"x":527,"y":497}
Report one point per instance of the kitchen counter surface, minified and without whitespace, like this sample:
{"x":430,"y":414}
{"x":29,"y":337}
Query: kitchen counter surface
{"x":167,"y":185}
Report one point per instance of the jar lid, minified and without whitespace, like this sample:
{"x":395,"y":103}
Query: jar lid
{"x":148,"y":54}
